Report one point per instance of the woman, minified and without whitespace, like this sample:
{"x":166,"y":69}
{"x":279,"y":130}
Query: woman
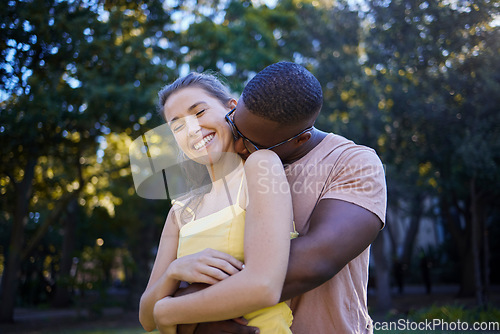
{"x":203,"y":227}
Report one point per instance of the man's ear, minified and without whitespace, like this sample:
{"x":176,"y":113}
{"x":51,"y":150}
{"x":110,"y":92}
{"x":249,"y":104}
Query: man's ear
{"x":303,"y":138}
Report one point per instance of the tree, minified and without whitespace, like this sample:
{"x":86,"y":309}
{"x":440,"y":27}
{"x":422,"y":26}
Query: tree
{"x":425,"y":60}
{"x":238,"y":38}
{"x":71,"y":74}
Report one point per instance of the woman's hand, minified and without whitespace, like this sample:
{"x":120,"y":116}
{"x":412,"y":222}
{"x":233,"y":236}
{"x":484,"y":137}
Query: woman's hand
{"x":208,"y":266}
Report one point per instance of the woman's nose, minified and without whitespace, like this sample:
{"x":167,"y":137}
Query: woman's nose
{"x":193,"y":127}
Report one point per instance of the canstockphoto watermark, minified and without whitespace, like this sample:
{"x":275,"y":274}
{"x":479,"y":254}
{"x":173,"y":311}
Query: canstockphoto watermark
{"x":435,"y":325}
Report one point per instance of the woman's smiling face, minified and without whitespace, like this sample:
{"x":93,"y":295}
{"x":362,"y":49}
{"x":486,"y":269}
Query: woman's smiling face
{"x":197,"y":121}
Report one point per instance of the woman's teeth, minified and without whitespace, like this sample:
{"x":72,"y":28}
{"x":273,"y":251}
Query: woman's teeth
{"x":202,"y":143}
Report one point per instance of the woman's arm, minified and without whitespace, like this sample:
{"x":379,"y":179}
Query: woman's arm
{"x":160,"y":283}
{"x":208,"y":266}
{"x":267,"y":245}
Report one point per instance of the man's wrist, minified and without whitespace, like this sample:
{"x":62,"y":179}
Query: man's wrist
{"x":187,"y":329}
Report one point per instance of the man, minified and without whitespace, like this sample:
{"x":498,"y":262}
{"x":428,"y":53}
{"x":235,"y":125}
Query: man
{"x":339,"y":200}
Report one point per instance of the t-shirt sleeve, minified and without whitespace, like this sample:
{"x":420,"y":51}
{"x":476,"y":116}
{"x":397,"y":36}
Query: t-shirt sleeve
{"x":358,"y":177}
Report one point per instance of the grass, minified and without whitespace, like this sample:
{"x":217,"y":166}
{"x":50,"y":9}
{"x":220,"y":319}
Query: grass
{"x":451,"y":318}
{"x":414,"y":307}
{"x":100,"y":331}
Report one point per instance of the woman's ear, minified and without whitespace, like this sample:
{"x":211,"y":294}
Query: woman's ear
{"x":232,"y":103}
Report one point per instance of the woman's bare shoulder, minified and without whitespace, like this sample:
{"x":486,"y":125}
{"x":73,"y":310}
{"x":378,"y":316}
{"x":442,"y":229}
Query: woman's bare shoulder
{"x":261,"y":161}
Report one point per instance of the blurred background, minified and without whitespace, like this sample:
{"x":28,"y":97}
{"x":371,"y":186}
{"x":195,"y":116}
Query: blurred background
{"x":418,"y":81}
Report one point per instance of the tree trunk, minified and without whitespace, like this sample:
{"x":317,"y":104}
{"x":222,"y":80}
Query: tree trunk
{"x":62,"y":295}
{"x":486,"y":260}
{"x":467,"y":280}
{"x":142,"y":256}
{"x":412,"y":232}
{"x":53,"y":216}
{"x":462,"y":240}
{"x":476,"y":249}
{"x":382,"y":274}
{"x":10,"y":279}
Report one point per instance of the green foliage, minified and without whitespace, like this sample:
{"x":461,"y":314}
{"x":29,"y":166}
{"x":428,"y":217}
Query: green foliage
{"x":416,"y":80}
{"x":432,"y":66}
{"x":78,"y":78}
{"x":452,"y":313}
{"x":239,"y":40}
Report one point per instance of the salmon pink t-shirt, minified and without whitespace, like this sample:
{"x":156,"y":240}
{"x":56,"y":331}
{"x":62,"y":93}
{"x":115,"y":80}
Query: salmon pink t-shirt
{"x":339,"y":169}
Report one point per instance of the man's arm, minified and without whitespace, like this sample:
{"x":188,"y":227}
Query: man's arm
{"x":339,"y":231}
{"x":331,"y":246}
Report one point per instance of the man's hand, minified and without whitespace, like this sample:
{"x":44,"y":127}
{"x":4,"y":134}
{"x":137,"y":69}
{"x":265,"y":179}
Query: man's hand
{"x":186,"y":289}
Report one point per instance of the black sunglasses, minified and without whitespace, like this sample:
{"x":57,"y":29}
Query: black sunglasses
{"x":237,"y":134}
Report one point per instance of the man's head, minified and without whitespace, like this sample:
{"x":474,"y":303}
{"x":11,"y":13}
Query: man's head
{"x":281,"y":102}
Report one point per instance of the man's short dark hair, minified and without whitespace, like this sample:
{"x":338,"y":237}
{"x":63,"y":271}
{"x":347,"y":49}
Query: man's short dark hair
{"x":284,"y":92}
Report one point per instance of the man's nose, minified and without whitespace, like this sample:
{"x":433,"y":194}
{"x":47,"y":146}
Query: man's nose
{"x":239,"y":147}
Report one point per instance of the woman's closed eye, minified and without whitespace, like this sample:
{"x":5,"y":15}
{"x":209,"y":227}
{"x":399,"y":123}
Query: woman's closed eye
{"x":178,"y":124}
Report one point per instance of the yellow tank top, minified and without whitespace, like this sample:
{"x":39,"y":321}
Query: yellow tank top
{"x":224,"y":231}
